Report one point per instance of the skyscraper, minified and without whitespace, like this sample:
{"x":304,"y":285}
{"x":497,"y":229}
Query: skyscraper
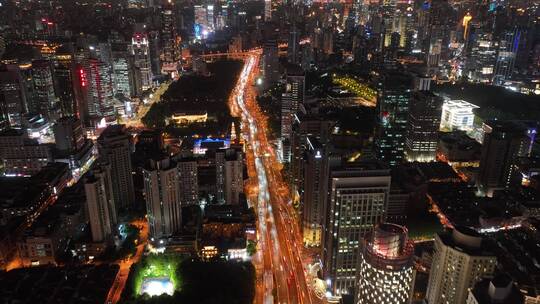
{"x":386,"y":273}
{"x":293,"y":46}
{"x":12,"y":95}
{"x":267,"y":10}
{"x":68,"y":134}
{"x":503,"y":143}
{"x":358,"y":196}
{"x":459,"y":261}
{"x":162,"y":198}
{"x":506,"y":55}
{"x":114,"y":147}
{"x":424,"y":121}
{"x":229,"y":176}
{"x":63,"y":70}
{"x":141,"y":52}
{"x":305,"y":126}
{"x":168,"y":38}
{"x":270,"y":63}
{"x":188,"y":181}
{"x":44,"y":97}
{"x":100,"y":204}
{"x":290,"y":101}
{"x":393,"y":109}
{"x":315,"y":192}
{"x":100,"y":100}
{"x":122,"y":66}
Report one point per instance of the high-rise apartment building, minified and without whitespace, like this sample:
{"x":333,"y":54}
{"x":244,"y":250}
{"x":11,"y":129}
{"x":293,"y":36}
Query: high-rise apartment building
{"x":188,"y":181}
{"x":114,"y":147}
{"x":424,"y":121}
{"x":161,"y":191}
{"x":393,"y":109}
{"x":459,"y":261}
{"x":358,"y":196}
{"x":386,"y":273}
{"x":100,"y":204}
{"x":503,"y":143}
{"x":229,"y":176}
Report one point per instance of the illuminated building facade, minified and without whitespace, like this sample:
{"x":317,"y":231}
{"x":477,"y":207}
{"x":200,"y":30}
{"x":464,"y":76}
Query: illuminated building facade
{"x":457,"y":115}
{"x":290,"y":100}
{"x":304,"y":126}
{"x":460,"y":260}
{"x":162,"y":197}
{"x":12,"y":96}
{"x":504,"y":143}
{"x":114,"y":146}
{"x":506,"y":56}
{"x":315,"y":190}
{"x":423,"y":126}
{"x":229,"y":176}
{"x":68,"y":134}
{"x":100,"y":204}
{"x":358,"y":199}
{"x":481,"y":62}
{"x":141,"y":52}
{"x":393,"y":108}
{"x":122,"y":66}
{"x":270,"y":63}
{"x":386,"y":273}
{"x":44,"y":97}
{"x":22,"y":156}
{"x":100,"y":101}
{"x":188,"y":181}
{"x":168,"y":38}
{"x":189,"y":118}
{"x":63,"y":74}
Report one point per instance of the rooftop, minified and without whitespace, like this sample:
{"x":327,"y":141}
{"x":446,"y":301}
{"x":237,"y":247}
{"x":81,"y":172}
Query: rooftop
{"x":457,"y":104}
{"x":79,"y":284}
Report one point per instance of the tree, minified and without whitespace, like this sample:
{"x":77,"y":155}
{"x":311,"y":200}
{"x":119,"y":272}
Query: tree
{"x":156,"y":115}
{"x":251,"y":247}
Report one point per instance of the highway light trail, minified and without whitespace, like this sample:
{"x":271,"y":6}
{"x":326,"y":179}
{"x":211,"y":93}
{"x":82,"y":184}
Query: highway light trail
{"x":279,"y":238}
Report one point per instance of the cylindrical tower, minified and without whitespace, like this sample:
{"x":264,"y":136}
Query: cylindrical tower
{"x":386,"y":266}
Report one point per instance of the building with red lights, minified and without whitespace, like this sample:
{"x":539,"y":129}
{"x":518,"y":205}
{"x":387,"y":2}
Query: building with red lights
{"x":386,"y":273}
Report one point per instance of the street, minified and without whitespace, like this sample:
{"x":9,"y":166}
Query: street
{"x":280,"y":243}
{"x":125,"y":265}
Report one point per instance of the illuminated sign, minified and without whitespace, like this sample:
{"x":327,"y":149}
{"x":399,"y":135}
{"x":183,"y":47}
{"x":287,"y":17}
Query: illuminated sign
{"x":82,"y":76}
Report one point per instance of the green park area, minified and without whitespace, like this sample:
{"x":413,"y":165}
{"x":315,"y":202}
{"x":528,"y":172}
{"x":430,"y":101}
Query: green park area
{"x":170,"y":279}
{"x":197,"y":94}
